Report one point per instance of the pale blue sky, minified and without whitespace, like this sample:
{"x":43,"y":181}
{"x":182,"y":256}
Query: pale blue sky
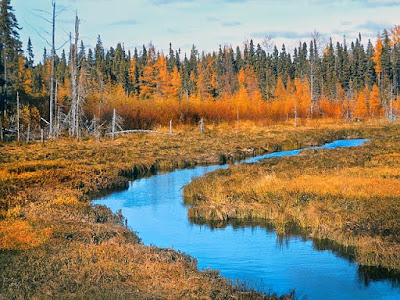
{"x":207,"y":23}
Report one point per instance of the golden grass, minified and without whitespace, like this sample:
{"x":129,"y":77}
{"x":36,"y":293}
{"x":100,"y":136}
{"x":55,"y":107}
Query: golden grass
{"x":351,"y":196}
{"x":54,"y":243}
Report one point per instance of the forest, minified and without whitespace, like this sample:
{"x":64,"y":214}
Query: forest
{"x":74,"y":93}
{"x":289,"y":189}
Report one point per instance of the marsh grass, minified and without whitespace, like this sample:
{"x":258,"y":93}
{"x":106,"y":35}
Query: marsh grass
{"x":348,"y":195}
{"x":55,"y":244}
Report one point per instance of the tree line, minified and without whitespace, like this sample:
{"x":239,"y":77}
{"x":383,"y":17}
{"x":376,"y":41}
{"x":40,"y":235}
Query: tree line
{"x":75,"y":92}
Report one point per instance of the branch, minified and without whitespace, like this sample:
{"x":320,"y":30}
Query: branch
{"x":43,"y":18}
{"x":47,"y":42}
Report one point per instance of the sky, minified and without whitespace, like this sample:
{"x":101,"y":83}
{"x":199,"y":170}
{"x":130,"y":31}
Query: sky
{"x":207,"y":23}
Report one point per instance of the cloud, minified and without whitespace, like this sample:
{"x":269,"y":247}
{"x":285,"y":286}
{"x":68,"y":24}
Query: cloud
{"x":365,"y":3}
{"x":377,"y":3}
{"x":373,"y":27}
{"x":167,"y":2}
{"x":231,"y":24}
{"x":213,"y":19}
{"x":124,"y":23}
{"x":173,"y":31}
{"x":282,"y":34}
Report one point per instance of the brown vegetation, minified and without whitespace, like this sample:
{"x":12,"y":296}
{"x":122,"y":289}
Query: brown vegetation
{"x":350,"y":196}
{"x":55,"y":243}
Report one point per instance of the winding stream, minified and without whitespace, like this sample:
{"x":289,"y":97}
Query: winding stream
{"x":154,"y":208}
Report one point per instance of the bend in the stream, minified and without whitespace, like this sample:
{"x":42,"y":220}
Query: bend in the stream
{"x":258,"y":256}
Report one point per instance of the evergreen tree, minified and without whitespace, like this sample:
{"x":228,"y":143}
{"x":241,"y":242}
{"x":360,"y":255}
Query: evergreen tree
{"x":171,"y":63}
{"x":82,"y":54}
{"x":239,"y":60}
{"x":31,"y":56}
{"x":10,"y":48}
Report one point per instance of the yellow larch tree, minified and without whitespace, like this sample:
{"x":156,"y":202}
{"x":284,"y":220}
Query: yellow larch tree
{"x":162,"y":78}
{"x":174,"y":90}
{"x":361,"y":107}
{"x":395,"y":33}
{"x":377,"y":55}
{"x":374,"y":102}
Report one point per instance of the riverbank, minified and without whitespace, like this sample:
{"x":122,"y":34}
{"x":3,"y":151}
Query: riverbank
{"x":55,"y":243}
{"x":349,"y":196}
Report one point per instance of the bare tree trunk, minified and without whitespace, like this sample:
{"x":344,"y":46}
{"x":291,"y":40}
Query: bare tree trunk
{"x":312,"y":87}
{"x":170,"y":126}
{"x":74,"y":73}
{"x":202,"y":126}
{"x":101,"y":92}
{"x":52,"y":69}
{"x":391,"y":104}
{"x":5,"y":79}
{"x":18,"y":137}
{"x":28,"y":131}
{"x":295,"y":113}
{"x":113,"y":124}
{"x":1,"y":129}
{"x":77,"y":117}
{"x":56,"y":110}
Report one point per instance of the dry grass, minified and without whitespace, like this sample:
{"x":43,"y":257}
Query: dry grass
{"x":54,"y":243}
{"x":347,"y":195}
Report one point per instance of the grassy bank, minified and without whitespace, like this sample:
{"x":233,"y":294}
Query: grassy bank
{"x":350,"y":196}
{"x":55,"y":243}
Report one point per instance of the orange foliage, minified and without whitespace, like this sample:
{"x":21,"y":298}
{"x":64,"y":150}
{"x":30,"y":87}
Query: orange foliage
{"x":19,"y":234}
{"x":161,"y":99}
{"x":374,"y":102}
{"x":361,"y":108}
{"x":396,"y":34}
{"x":377,"y":55}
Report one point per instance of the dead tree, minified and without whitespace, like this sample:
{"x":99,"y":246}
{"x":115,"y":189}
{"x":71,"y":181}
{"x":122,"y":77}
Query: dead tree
{"x":74,"y":85}
{"x":1,"y":130}
{"x":202,"y":126}
{"x":18,"y":136}
{"x":113,"y":124}
{"x":53,"y":54}
{"x":116,"y":124}
{"x":28,"y":132}
{"x":94,"y":127}
{"x":391,"y":104}
{"x":81,"y":99}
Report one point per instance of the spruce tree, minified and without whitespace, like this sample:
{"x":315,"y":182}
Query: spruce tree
{"x":31,"y":56}
{"x":10,"y":48}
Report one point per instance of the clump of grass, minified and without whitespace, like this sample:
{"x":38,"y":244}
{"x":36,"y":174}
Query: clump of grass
{"x":349,"y":195}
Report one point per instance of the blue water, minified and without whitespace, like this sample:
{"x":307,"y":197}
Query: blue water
{"x":154,"y":208}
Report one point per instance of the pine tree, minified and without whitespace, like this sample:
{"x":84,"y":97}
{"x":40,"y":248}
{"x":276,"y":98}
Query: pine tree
{"x":31,"y":56}
{"x":10,"y":48}
{"x":171,"y":63}
{"x":239,"y":60}
{"x":82,"y":54}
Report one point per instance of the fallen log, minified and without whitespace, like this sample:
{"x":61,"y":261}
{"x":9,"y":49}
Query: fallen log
{"x":139,"y":131}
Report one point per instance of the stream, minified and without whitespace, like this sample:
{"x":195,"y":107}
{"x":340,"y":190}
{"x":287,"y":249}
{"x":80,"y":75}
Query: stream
{"x":256,"y":256}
